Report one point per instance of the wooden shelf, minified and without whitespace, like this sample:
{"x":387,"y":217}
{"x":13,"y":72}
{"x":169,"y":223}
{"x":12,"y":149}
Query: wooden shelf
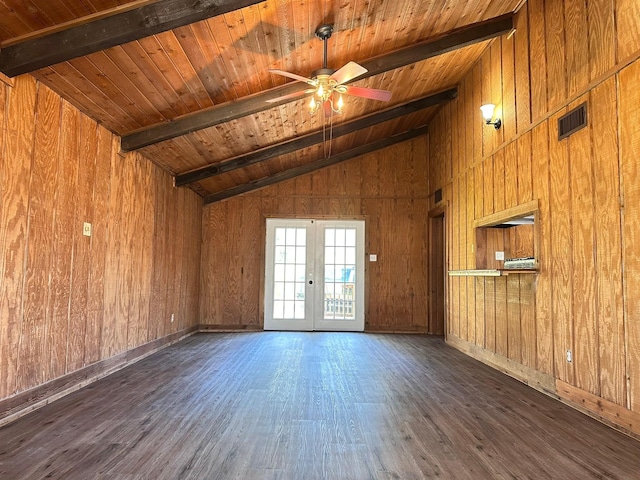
{"x":491,"y":272}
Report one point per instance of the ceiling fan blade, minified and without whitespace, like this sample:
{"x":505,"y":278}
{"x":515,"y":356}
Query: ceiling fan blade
{"x":292,"y":75}
{"x":372,"y":93}
{"x":350,"y":71}
{"x":292,"y":95}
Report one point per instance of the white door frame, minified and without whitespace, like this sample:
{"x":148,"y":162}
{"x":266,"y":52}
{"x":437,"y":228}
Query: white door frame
{"x":314,"y":277}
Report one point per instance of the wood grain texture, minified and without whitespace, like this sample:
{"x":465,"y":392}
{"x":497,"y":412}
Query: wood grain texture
{"x":231,"y":291}
{"x":282,"y":405}
{"x":544,"y":308}
{"x":629,"y":151}
{"x":583,"y":248}
{"x":561,"y":241}
{"x":627,"y":16}
{"x":609,"y":302}
{"x":68,"y":300}
{"x":586,"y":220}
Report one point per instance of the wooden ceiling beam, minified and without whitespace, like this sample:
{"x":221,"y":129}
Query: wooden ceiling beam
{"x":313,"y":138}
{"x":252,"y":104}
{"x":92,"y":34}
{"x":315,"y":165}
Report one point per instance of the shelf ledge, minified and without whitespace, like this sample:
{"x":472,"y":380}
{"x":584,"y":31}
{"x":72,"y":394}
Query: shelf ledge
{"x":490,"y":273}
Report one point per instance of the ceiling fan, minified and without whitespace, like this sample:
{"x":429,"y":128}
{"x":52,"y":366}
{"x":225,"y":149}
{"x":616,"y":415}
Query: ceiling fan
{"x":326,"y":82}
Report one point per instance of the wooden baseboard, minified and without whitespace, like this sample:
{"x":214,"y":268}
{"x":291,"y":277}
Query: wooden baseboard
{"x":527,"y":375}
{"x":609,"y":413}
{"x":14,"y":407}
{"x":605,"y":411}
{"x":206,"y":327}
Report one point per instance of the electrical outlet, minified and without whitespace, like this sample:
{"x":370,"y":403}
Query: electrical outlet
{"x":86,"y":229}
{"x":569,"y":356}
{"x":500,"y":256}
{"x":173,"y":317}
{"x":373,"y":257}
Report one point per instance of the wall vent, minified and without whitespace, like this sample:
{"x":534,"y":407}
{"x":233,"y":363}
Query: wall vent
{"x":438,"y":195}
{"x":573,"y":121}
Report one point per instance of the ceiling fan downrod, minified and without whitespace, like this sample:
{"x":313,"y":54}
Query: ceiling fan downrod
{"x":323,"y":32}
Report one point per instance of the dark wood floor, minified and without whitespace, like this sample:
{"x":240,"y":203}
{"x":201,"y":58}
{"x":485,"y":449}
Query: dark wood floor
{"x":311,"y":406}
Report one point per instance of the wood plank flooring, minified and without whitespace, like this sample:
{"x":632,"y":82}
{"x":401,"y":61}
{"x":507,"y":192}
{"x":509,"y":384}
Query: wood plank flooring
{"x":272,"y":405}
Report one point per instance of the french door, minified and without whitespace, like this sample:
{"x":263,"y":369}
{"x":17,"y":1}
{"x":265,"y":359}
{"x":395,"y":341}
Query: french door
{"x":314,"y":275}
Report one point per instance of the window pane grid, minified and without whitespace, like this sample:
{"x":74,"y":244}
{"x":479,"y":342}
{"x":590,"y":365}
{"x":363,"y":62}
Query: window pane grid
{"x":289,"y":273}
{"x":339,"y":273}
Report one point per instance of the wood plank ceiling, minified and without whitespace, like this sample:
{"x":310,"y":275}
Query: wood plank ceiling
{"x":192,"y":98}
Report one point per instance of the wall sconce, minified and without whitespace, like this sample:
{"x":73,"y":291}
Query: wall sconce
{"x":487,"y":114}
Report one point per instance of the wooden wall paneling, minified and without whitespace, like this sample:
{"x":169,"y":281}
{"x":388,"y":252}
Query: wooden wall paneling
{"x":583,"y":248}
{"x":403,"y":172}
{"x":602,"y":36}
{"x":370,"y":209}
{"x":462,"y":243}
{"x":108,"y":343}
{"x":555,"y":43}
{"x":99,"y":244}
{"x":499,"y":181}
{"x":490,"y":313}
{"x":479,"y":282}
{"x":501,"y":318}
{"x":456,"y":145}
{"x":527,"y":320}
{"x":487,"y":187}
{"x":146,"y":233}
{"x":510,"y":175}
{"x":497,"y":84}
{"x":525,"y":178}
{"x":627,"y":17}
{"x":629,"y":118}
{"x":253,"y":248}
{"x":456,"y":263}
{"x":401,"y":272}
{"x":538,"y":58}
{"x":33,"y":346}
{"x":127,"y":313}
{"x":213,"y":251}
{"x":609,"y":301}
{"x":418,"y":284}
{"x":158,"y":289}
{"x":543,"y":295}
{"x":63,"y":245}
{"x":576,"y":31}
{"x":173,"y":244}
{"x":86,"y":166}
{"x":487,"y":96}
{"x":232,"y":314}
{"x":471,"y":257}
{"x":420,"y":155}
{"x":468,"y":135}
{"x":522,"y":69}
{"x":478,"y":128}
{"x":561,"y":261}
{"x":384,"y":268}
{"x":514,"y":335}
{"x":179,"y":305}
{"x":508,"y":116}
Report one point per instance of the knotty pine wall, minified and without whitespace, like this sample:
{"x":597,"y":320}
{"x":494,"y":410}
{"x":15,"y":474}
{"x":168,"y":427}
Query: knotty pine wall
{"x":388,"y":189}
{"x":586,"y":297}
{"x":68,"y":301}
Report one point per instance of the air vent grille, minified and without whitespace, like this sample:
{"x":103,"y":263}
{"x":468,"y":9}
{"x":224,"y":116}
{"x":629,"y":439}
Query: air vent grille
{"x":573,"y":121}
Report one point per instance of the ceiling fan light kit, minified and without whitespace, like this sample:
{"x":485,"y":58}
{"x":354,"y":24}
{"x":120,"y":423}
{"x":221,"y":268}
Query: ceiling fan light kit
{"x":328,"y":83}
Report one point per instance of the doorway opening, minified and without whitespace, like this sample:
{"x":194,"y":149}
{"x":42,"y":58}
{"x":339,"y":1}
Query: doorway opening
{"x":314,"y":275}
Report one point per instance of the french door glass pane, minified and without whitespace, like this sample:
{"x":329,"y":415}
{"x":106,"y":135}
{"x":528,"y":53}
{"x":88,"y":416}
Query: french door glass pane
{"x":339,"y":273}
{"x":289,"y":272}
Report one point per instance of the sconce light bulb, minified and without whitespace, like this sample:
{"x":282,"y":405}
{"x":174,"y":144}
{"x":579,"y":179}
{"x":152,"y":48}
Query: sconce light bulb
{"x":487,"y":111}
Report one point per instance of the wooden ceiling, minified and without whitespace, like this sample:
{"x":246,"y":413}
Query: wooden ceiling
{"x":186,"y":82}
